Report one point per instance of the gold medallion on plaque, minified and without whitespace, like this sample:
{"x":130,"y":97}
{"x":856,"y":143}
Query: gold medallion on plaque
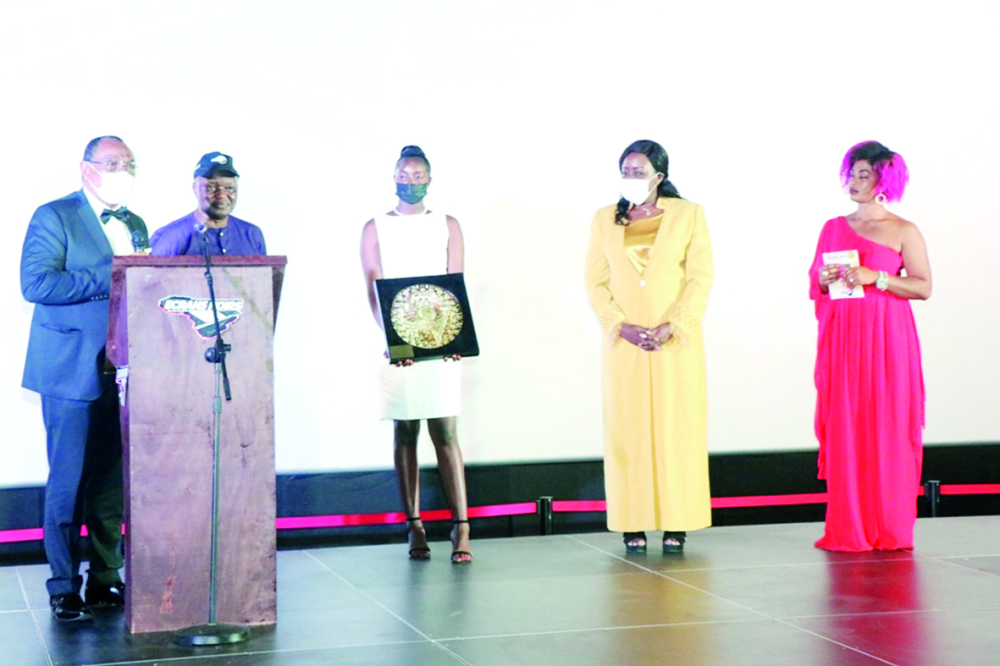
{"x":426,"y":316}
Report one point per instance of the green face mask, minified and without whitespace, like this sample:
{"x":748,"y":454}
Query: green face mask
{"x":411,"y":193}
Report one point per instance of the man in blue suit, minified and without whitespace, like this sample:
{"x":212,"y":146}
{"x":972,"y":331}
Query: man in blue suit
{"x":66,"y":273}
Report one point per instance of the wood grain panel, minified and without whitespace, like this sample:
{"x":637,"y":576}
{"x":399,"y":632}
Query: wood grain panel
{"x":168,"y":426}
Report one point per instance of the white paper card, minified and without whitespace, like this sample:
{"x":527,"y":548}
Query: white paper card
{"x":846,"y":259}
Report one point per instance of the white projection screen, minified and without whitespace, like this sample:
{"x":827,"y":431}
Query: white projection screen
{"x":523,"y":108}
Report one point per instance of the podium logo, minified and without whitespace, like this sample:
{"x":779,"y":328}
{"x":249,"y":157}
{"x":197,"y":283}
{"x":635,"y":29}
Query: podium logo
{"x":199,"y":311}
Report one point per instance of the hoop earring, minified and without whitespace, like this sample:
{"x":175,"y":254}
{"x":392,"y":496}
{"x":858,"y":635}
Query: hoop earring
{"x":880,"y":198}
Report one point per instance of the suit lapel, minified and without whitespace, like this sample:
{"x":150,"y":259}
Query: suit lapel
{"x":135,"y":223}
{"x":89,"y":221}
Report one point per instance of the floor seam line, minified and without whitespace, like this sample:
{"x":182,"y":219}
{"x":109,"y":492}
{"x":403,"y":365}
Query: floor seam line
{"x":589,"y":629}
{"x":681,"y":582}
{"x":735,"y":603}
{"x":391,"y":612}
{"x":963,"y":567}
{"x":34,"y":620}
{"x":157,"y":660}
{"x":834,"y":642}
{"x":895,"y":612}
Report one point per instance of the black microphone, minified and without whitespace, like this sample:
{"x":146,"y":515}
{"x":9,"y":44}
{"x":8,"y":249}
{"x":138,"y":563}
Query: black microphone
{"x":139,"y":241}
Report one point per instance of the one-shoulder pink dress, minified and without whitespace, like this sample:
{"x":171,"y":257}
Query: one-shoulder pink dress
{"x":869,"y":404}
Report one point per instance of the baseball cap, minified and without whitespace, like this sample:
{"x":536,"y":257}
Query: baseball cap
{"x":215,"y":164}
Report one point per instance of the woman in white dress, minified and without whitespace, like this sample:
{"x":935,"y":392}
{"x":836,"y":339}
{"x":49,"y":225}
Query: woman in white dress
{"x":408,"y":241}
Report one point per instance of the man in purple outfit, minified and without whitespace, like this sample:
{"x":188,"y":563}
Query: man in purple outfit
{"x":216,"y":182}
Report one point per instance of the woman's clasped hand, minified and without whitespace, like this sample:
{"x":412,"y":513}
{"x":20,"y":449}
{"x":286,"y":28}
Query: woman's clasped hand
{"x":648,"y":339}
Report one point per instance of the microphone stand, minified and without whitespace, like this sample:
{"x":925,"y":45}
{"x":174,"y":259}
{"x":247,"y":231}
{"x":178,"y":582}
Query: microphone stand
{"x":213,"y":633}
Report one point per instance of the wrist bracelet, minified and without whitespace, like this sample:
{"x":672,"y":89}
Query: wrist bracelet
{"x":882,"y":282}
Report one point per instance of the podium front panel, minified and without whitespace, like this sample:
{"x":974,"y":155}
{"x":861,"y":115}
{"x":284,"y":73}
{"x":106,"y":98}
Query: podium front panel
{"x":168,"y":430}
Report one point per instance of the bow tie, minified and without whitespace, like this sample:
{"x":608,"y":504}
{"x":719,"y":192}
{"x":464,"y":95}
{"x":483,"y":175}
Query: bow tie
{"x":121,"y":214}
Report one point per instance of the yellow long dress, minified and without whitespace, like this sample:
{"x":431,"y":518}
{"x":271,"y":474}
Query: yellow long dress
{"x":655,"y":403}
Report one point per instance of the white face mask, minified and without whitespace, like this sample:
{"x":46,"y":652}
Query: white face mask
{"x":637,"y":191}
{"x":116,"y":187}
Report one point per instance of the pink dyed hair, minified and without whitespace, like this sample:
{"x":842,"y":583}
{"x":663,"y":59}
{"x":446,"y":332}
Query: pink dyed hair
{"x":889,"y":167}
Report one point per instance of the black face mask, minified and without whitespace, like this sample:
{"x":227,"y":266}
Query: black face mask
{"x":411,"y":193}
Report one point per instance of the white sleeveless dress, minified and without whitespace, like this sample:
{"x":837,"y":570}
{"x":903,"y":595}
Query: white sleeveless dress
{"x":415,"y":245}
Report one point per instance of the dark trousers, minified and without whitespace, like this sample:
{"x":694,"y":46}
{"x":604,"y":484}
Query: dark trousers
{"x":84,"y":487}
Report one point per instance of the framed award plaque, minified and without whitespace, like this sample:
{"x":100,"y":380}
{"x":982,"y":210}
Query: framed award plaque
{"x":426,"y":317}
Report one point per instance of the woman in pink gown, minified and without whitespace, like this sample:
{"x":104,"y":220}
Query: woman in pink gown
{"x":870,"y":391}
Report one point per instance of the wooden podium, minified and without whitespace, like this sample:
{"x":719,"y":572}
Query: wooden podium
{"x":160,"y":325}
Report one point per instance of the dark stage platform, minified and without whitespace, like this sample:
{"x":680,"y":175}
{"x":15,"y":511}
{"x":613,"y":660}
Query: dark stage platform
{"x":739,"y":595}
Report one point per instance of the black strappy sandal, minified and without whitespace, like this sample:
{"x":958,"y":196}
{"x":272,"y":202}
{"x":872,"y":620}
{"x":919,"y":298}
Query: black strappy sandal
{"x":679,"y":537}
{"x":459,"y":556}
{"x":630,"y":537}
{"x":422,"y":553}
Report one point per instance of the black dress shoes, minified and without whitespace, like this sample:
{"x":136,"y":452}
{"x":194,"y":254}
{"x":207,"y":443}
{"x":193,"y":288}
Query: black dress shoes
{"x":106,"y":596}
{"x":69,"y":607}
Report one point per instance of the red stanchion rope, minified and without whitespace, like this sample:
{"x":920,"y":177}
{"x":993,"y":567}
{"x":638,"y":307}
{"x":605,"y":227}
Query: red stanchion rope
{"x":527,"y":508}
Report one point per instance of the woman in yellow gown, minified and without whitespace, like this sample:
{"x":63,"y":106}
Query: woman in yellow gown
{"x":648,"y":274}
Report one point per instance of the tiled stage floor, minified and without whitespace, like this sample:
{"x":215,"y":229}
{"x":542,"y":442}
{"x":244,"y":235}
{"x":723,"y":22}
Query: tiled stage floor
{"x":739,"y":595}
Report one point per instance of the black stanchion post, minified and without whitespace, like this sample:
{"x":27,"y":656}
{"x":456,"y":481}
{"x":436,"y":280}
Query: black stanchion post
{"x":932,"y":491}
{"x":545,"y":515}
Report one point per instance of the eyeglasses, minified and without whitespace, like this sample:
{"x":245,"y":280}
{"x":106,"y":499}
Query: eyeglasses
{"x":115,"y":165}
{"x":212,"y":189}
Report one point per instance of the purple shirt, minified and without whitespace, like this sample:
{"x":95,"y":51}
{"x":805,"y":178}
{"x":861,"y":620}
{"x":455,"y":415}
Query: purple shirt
{"x":237,"y":238}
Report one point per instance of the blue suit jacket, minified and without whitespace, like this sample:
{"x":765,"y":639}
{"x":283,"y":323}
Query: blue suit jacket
{"x":66,"y":273}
